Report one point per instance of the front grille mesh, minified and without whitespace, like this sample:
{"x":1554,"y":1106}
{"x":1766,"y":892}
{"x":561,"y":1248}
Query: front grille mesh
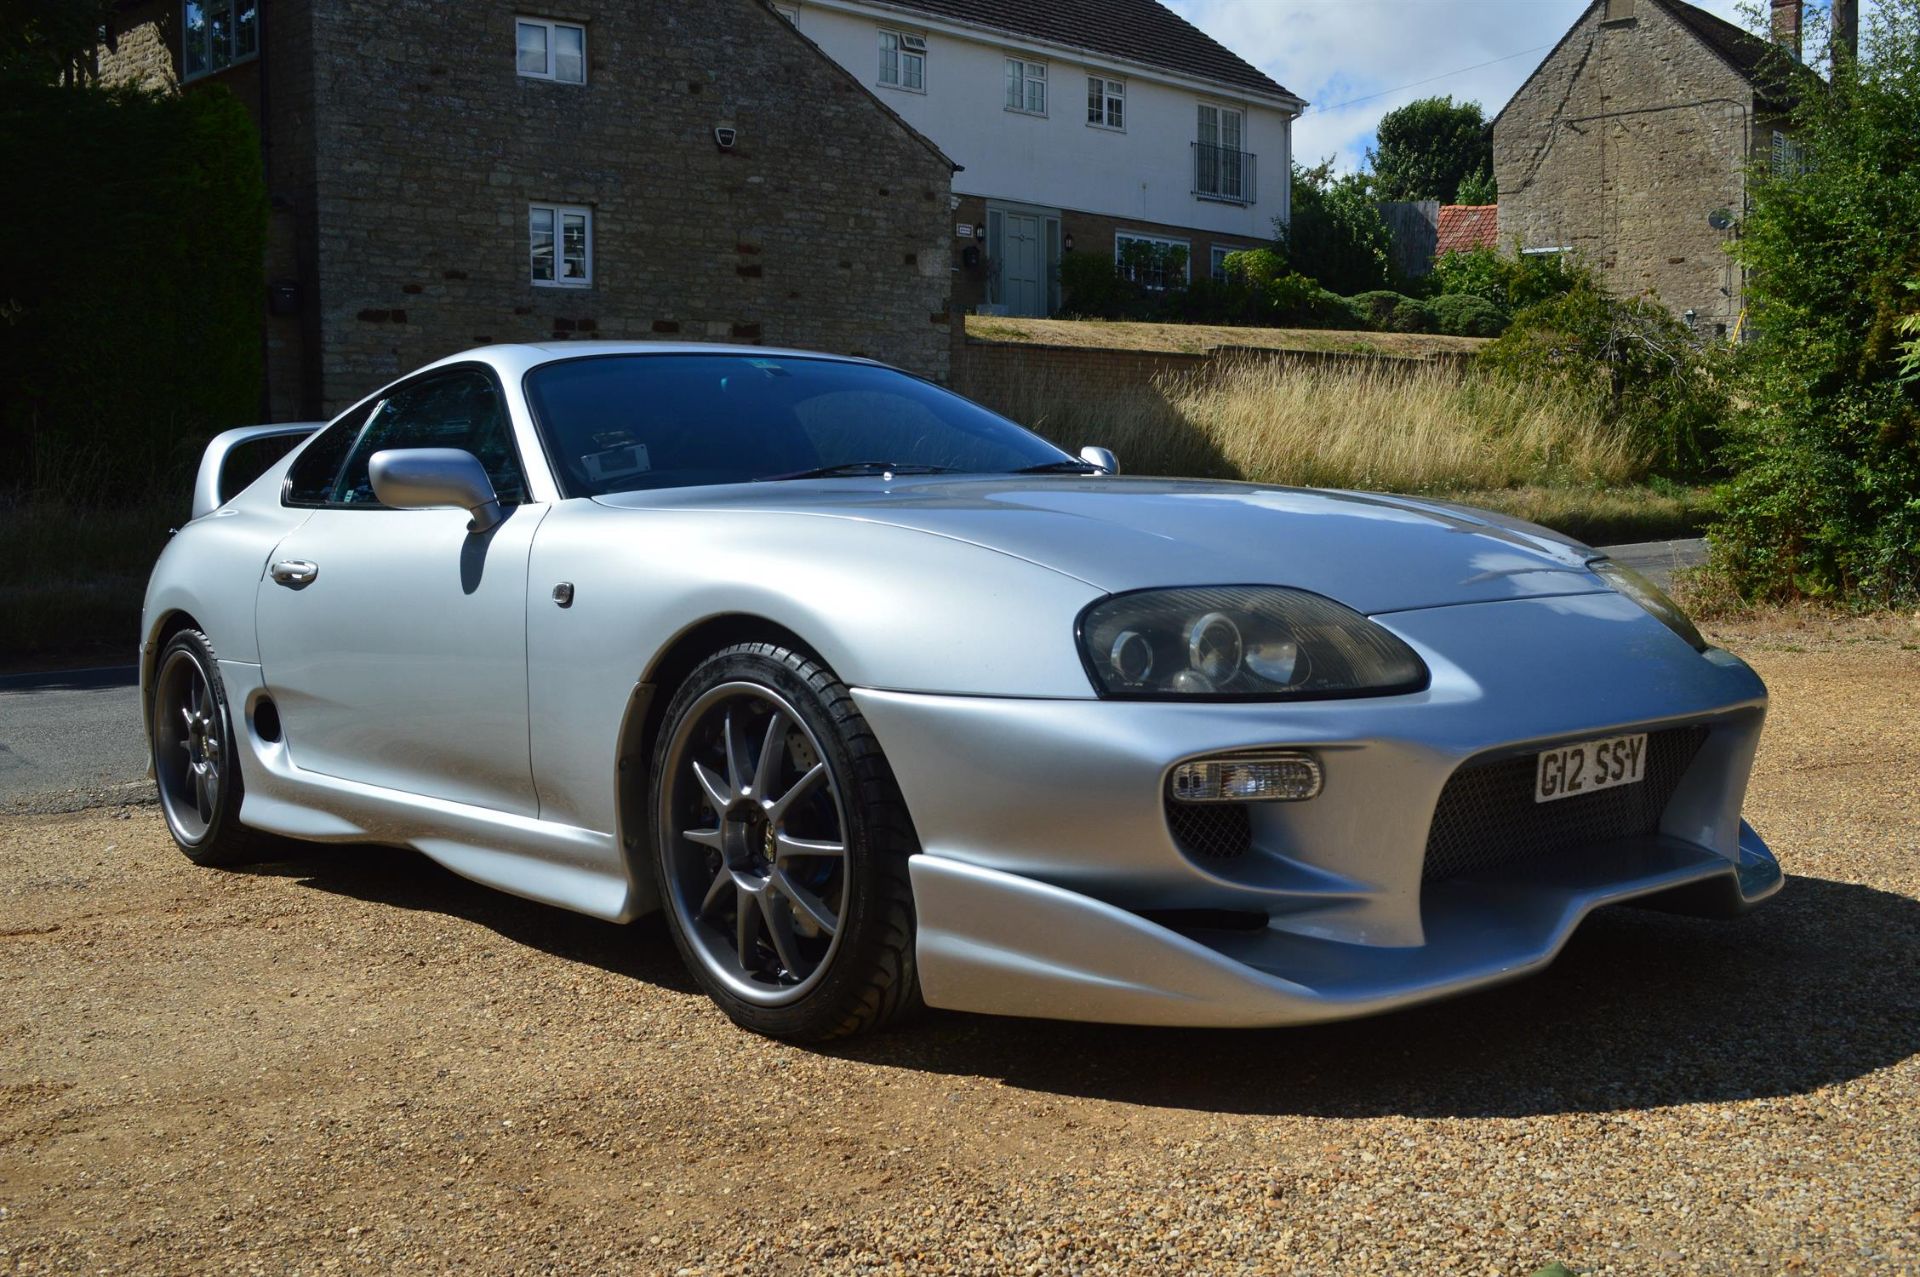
{"x":1486,"y":817}
{"x":1210,"y":831}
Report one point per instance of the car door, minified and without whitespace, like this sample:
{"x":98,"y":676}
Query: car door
{"x":394,"y":641}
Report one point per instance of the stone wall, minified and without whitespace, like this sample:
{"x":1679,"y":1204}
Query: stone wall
{"x":1628,"y":137}
{"x":826,"y":226}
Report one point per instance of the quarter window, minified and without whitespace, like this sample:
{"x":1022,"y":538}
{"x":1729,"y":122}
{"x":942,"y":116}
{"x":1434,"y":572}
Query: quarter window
{"x":1026,"y":86}
{"x":215,"y":34}
{"x":1106,"y":102}
{"x":560,"y":245}
{"x":903,"y":60}
{"x":546,"y":50}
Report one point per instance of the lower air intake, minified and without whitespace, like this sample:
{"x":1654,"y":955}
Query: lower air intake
{"x":1487,"y":819}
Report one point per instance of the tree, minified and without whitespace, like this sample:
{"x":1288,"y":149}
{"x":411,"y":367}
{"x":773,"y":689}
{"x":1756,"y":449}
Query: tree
{"x":1428,"y":148}
{"x":1826,"y":499}
{"x":1337,"y":236}
{"x":51,"y":41}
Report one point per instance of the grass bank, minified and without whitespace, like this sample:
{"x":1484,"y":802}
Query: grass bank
{"x":1196,"y":339}
{"x":1415,"y":428}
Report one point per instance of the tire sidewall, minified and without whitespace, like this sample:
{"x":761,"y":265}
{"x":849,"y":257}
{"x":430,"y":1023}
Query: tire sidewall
{"x":211,"y":847}
{"x":824,"y":1007}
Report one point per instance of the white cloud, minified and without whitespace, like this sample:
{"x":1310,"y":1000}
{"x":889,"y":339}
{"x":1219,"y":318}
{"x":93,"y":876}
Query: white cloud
{"x":1332,"y":52}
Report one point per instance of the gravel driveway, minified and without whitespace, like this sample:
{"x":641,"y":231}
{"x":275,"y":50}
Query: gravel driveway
{"x":354,"y":1061}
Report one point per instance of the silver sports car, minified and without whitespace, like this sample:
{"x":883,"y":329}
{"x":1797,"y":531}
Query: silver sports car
{"x":883,"y":700}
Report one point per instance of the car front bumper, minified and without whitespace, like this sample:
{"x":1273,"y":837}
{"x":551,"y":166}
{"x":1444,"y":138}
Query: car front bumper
{"x":1052,"y":884}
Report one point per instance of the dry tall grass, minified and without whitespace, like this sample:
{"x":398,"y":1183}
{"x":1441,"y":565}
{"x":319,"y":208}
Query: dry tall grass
{"x":1383,"y":427}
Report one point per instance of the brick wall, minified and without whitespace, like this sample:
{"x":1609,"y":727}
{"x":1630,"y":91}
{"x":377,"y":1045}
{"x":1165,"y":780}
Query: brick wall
{"x":1630,"y":135}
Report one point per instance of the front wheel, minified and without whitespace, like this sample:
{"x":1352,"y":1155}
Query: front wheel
{"x":781,"y":841}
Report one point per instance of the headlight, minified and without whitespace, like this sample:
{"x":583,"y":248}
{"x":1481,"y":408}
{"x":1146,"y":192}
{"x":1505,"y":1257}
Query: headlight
{"x":1244,"y":642}
{"x":1649,"y":596}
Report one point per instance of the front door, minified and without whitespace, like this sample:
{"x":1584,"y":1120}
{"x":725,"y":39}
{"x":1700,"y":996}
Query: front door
{"x":395,"y":647}
{"x":1024,"y":266}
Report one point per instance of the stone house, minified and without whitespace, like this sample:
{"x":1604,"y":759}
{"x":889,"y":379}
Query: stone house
{"x":1630,"y":144}
{"x":449,"y":174}
{"x":1080,"y":126}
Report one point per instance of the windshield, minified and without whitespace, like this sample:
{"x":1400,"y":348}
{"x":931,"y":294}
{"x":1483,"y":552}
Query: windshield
{"x":616,"y":423}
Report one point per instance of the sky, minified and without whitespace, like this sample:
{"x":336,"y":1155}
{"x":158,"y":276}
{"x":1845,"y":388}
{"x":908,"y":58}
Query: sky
{"x":1351,"y":58}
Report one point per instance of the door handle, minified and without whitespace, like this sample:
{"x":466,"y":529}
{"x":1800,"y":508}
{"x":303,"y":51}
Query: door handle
{"x":295,"y":574}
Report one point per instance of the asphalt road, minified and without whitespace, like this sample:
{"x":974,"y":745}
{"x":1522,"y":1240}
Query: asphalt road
{"x":72,"y":739}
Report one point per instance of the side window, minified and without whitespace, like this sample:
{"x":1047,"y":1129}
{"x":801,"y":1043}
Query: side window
{"x":455,"y":410}
{"x":310,"y":478}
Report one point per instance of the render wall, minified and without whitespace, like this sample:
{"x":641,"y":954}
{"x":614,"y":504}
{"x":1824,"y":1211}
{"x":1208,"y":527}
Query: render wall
{"x":1632,"y":133}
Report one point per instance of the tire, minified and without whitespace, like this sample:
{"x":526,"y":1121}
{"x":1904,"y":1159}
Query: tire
{"x":196,"y":756}
{"x":780,"y":846}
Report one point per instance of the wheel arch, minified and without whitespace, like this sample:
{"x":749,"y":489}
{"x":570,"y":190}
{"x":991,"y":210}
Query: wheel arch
{"x":169,"y":623}
{"x":647,"y":707}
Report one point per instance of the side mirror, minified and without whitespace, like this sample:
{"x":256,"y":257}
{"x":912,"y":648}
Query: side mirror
{"x":1101,"y":457}
{"x":435,"y":479}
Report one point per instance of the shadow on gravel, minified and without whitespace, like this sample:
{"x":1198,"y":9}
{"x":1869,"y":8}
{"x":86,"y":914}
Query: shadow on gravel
{"x":1820,"y":985}
{"x":408,"y":880}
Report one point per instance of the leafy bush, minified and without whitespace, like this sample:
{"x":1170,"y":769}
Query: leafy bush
{"x":1091,"y":287}
{"x":1653,"y":379}
{"x":1826,"y":499}
{"x":1511,"y":281}
{"x":1410,"y":316}
{"x":1465,"y":315}
{"x":130,"y":304}
{"x":1337,"y":235}
{"x":1378,"y":306}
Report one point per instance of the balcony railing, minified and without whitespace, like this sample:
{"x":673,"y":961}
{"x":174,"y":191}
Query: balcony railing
{"x":1223,"y":173}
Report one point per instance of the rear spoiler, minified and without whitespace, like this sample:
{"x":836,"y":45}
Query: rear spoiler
{"x":211,"y":488}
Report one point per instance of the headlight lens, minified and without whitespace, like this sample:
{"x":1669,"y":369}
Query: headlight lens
{"x":1249,"y":642}
{"x":1649,"y":596}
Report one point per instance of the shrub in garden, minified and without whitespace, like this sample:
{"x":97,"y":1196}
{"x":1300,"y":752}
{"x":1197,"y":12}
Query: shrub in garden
{"x":1091,"y":288}
{"x":1511,"y":281}
{"x":1465,"y":315}
{"x":1826,"y":498}
{"x":1655,"y":380}
{"x":1377,"y":305}
{"x":1410,"y":316}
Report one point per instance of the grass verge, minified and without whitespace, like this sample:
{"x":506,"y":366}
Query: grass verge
{"x":1196,"y":339}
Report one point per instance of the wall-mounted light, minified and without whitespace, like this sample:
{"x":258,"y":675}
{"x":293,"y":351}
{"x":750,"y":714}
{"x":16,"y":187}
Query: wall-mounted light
{"x":1067,"y":242}
{"x":979,"y":232}
{"x":1690,"y":316}
{"x":725,"y":135}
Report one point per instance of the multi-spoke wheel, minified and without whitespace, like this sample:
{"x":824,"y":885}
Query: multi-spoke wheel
{"x":781,"y":845}
{"x":194,"y":761}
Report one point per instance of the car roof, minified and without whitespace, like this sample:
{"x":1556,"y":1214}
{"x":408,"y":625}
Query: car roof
{"x":515,"y":359}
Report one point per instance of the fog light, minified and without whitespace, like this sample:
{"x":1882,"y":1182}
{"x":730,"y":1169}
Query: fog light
{"x":1254,"y":778}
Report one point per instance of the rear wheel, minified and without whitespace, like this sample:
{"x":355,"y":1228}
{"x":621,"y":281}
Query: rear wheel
{"x":781,"y":844}
{"x":196,"y":762}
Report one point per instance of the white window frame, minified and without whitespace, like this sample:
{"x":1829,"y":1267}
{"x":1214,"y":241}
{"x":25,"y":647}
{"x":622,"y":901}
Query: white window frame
{"x":1242,"y":168}
{"x":1217,"y":261}
{"x":791,"y":14}
{"x":1021,"y":83}
{"x":560,"y":213}
{"x":210,"y":10}
{"x":552,"y":27}
{"x":1121,"y":238}
{"x":904,"y":48}
{"x":1787,"y":157}
{"x":1113,"y":101}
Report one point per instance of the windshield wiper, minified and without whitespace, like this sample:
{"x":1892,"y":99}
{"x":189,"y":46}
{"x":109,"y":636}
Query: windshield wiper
{"x":1060,"y":467}
{"x":857,"y":468}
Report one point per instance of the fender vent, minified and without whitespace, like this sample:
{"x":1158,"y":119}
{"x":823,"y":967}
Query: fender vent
{"x":1486,"y":816}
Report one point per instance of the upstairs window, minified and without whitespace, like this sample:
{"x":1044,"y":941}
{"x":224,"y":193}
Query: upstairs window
{"x":1026,"y":86}
{"x":550,"y":50}
{"x":560,"y":245}
{"x":1106,"y":102}
{"x":903,"y":61}
{"x":215,"y":34}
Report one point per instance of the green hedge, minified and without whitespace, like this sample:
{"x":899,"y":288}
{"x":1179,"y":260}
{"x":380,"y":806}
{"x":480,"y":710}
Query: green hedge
{"x":132,"y":228}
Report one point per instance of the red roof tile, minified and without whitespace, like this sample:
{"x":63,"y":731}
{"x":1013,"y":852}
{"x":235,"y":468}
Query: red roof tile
{"x":1464,"y":227}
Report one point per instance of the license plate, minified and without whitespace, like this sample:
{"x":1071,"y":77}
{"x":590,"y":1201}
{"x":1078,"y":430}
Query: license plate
{"x":1572,"y":770}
